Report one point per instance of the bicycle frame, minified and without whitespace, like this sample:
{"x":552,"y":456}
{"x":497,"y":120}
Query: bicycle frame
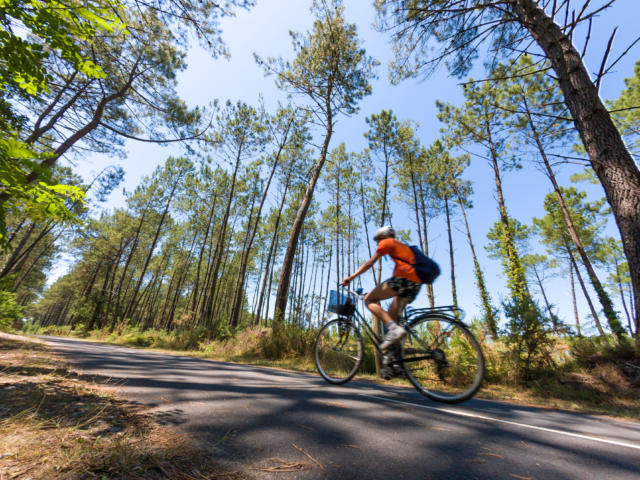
{"x":425,"y":357}
{"x":361,"y":322}
{"x":410,"y":317}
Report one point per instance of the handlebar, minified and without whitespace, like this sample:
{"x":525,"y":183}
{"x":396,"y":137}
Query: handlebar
{"x":358,"y":291}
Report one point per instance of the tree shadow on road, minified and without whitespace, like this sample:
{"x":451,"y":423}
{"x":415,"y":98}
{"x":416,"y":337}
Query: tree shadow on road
{"x":257,"y":417}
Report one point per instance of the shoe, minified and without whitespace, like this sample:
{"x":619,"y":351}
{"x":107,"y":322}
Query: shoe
{"x":386,"y":371}
{"x":394,"y":335}
{"x":386,"y":360}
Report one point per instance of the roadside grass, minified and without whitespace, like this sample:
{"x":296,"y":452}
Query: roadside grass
{"x":56,"y":424}
{"x":581,"y":381}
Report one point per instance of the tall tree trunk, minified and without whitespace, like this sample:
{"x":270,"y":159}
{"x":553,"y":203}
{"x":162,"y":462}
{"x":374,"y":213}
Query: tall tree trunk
{"x":554,"y":318}
{"x":256,"y":290}
{"x":337,"y":224}
{"x":383,"y":217}
{"x":96,"y":311}
{"x":515,"y":271}
{"x":320,"y":312}
{"x":573,"y":296}
{"x":603,"y":297}
{"x":194,"y":296}
{"x":454,"y":294}
{"x":203,"y":297}
{"x":266,"y":310}
{"x":326,"y":291}
{"x":132,"y":300}
{"x":314,"y":275}
{"x":121,"y":248}
{"x":485,"y":298}
{"x":223,"y":232}
{"x":414,"y":190}
{"x":11,"y":261}
{"x":245,"y":258}
{"x":637,"y":332}
{"x":24,"y":272}
{"x":238,"y":293}
{"x":287,"y":263}
{"x":21,"y":253}
{"x":622,"y":299}
{"x":303,"y":288}
{"x":167,"y":298}
{"x":425,"y":236}
{"x":608,"y":153}
{"x":586,"y":294}
{"x":17,"y":229}
{"x":293,"y":287}
{"x":223,"y":285}
{"x":349,"y":235}
{"x":132,"y":252}
{"x":178,"y":291}
{"x":267,"y":274}
{"x":365,"y":222}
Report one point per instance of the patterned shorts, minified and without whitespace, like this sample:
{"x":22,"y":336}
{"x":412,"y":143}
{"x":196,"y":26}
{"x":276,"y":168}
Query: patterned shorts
{"x":405,"y":288}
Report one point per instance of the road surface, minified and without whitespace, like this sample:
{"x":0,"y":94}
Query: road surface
{"x":254,"y":419}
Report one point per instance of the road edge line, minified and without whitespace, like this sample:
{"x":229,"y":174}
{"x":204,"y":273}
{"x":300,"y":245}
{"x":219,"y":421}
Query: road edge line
{"x":509,"y":422}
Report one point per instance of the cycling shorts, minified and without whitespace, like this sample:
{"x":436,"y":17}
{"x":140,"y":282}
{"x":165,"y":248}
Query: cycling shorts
{"x":404,"y":287}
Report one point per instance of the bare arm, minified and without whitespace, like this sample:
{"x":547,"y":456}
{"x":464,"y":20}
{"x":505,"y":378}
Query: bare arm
{"x":363,"y":268}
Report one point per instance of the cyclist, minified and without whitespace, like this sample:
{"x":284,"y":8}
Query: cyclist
{"x":403,"y":287}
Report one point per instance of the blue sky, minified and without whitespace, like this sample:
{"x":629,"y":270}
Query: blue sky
{"x":265,"y":30}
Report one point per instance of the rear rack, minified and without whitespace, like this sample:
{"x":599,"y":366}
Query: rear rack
{"x":446,"y":309}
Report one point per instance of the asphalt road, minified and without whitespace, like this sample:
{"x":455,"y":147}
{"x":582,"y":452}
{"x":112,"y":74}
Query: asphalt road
{"x":255,"y":418}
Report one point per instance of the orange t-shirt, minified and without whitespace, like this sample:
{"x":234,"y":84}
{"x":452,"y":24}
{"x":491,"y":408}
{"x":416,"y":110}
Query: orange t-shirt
{"x":404,"y":258}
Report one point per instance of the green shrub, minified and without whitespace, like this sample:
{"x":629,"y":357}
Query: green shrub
{"x":287,"y":341}
{"x":10,"y":311}
{"x":529,"y":339}
{"x":584,"y":349}
{"x":369,"y":361}
{"x":588,"y":352}
{"x":56,"y":330}
{"x":31,"y":327}
{"x":134,"y":337}
{"x":221,"y":332}
{"x":181,"y":339}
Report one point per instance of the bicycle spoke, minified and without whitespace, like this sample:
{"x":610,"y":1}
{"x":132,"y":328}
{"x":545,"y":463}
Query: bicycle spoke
{"x":338,"y":351}
{"x":443,"y":360}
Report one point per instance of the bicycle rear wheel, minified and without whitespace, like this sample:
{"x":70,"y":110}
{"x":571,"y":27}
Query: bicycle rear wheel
{"x":338,"y":351}
{"x":442,"y":359}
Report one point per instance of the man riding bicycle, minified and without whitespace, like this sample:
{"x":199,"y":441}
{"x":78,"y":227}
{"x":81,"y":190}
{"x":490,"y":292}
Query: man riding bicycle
{"x":403,"y":287}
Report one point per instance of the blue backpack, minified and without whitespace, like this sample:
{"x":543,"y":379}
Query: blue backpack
{"x":426,"y":268}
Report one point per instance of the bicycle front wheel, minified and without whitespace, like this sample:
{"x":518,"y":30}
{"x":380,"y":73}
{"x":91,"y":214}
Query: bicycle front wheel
{"x":442,"y":359}
{"x":338,"y":351}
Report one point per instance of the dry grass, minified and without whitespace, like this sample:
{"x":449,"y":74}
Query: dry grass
{"x":55,"y":424}
{"x":603,"y":390}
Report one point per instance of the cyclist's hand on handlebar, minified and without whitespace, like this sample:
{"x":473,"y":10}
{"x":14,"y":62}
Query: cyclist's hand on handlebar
{"x":345,"y":281}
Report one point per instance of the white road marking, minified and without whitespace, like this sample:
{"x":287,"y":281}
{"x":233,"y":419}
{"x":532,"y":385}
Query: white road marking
{"x":508,"y":422}
{"x":439,"y":409}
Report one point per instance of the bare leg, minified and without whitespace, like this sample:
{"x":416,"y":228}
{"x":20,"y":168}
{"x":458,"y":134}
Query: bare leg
{"x":381,"y":292}
{"x":396,"y":307}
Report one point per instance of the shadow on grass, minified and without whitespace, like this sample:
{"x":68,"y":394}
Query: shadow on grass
{"x":85,"y":430}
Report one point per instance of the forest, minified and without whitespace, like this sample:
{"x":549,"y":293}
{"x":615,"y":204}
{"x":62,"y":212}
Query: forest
{"x":262,"y":214}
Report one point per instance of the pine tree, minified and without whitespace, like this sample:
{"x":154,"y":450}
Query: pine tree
{"x":332,"y":71}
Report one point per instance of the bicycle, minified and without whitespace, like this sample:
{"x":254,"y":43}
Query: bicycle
{"x":439,"y":356}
